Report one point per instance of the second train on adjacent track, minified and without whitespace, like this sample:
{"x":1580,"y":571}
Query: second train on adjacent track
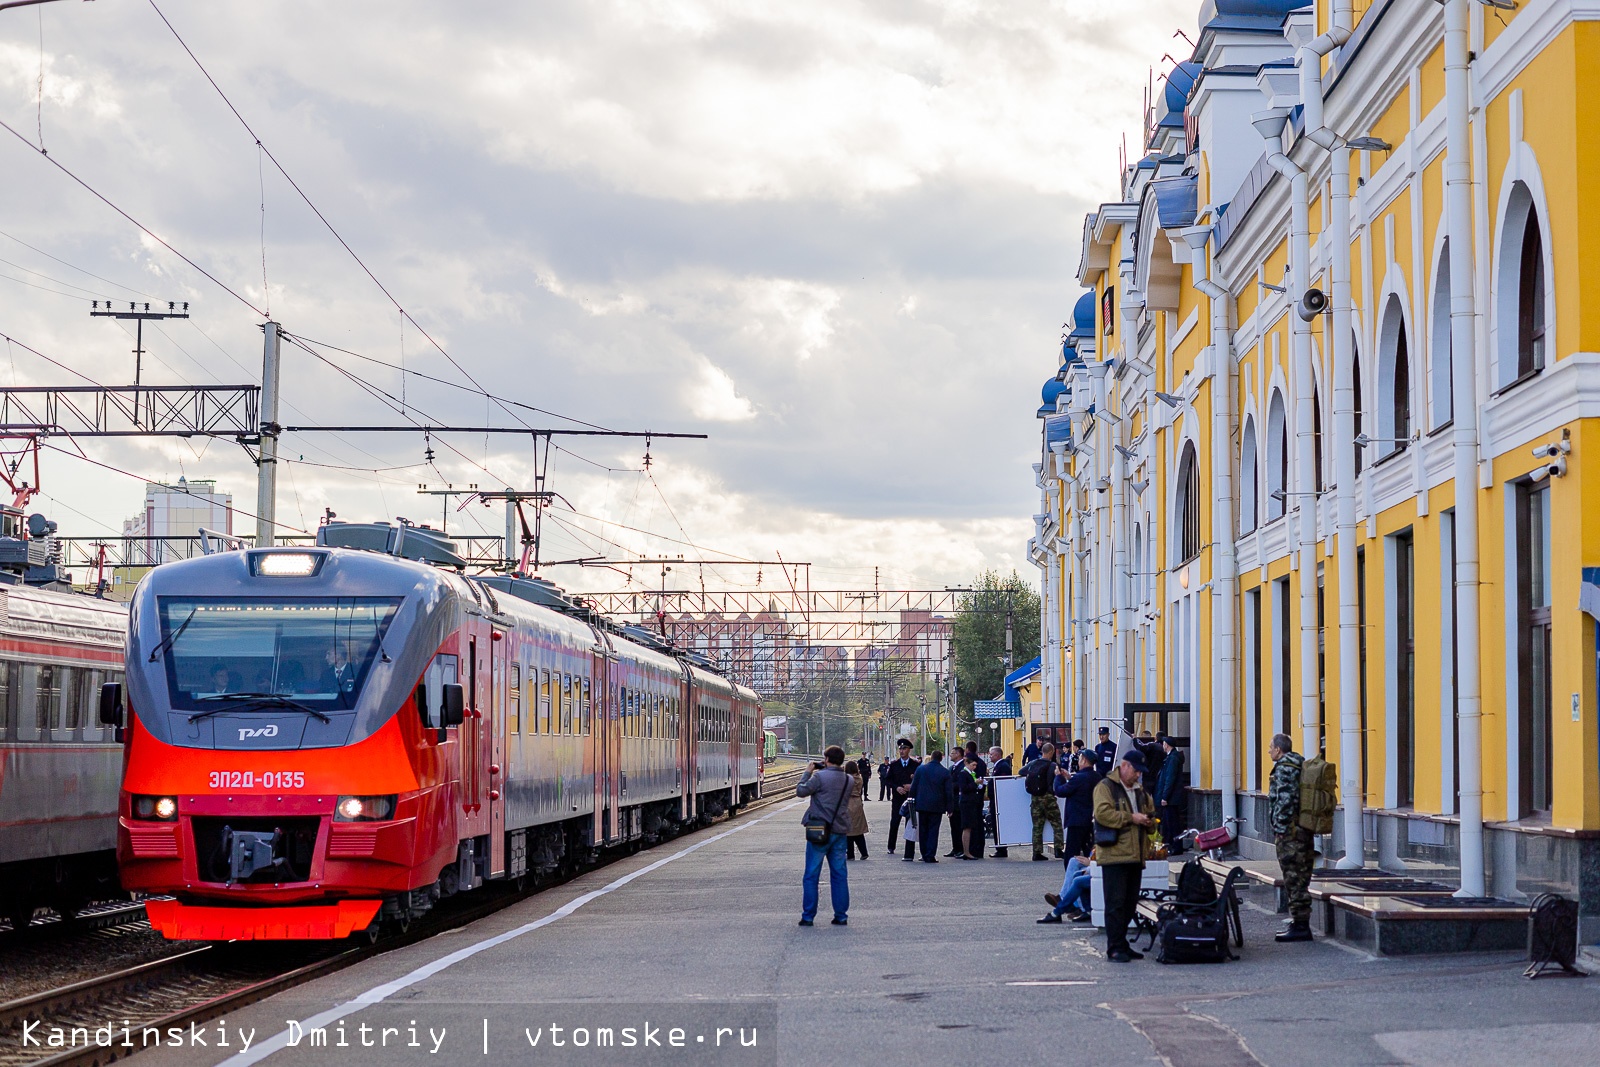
{"x":322,"y":739}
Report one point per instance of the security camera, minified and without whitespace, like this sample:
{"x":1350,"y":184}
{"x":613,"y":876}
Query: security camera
{"x":1312,"y":304}
{"x":1556,"y":468}
{"x":1552,"y":450}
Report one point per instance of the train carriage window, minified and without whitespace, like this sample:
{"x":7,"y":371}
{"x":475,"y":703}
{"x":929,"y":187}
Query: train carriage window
{"x":544,"y":702}
{"x":67,"y":705}
{"x":86,"y":699}
{"x":10,"y":691}
{"x":530,"y":698}
{"x":514,"y":706}
{"x":584,"y":710}
{"x":46,"y":697}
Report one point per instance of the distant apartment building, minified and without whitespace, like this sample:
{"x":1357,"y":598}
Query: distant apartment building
{"x":924,"y":641}
{"x":172,"y":516}
{"x":754,"y":650}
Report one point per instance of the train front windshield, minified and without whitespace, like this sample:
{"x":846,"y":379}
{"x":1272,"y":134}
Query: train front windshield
{"x":316,"y":651}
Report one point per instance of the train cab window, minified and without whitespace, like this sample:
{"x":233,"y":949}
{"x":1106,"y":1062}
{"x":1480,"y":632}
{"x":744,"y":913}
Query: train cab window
{"x":514,"y":705}
{"x":317,"y":650}
{"x":544,"y":702}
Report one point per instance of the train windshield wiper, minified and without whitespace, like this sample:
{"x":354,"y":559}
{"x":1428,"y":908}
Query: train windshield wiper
{"x":167,"y":642}
{"x":246,"y":701}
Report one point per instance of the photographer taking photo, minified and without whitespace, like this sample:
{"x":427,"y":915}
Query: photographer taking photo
{"x":827,"y":823}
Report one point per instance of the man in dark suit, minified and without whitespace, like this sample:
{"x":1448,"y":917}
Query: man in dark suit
{"x":932,"y":796}
{"x":1171,"y":804}
{"x":864,"y":768}
{"x":999,"y":767}
{"x":898,"y":777}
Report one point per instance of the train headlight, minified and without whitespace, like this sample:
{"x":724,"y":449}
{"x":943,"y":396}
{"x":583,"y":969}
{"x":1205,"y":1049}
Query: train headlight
{"x":364,"y":809}
{"x":155,"y":809}
{"x":276,"y":563}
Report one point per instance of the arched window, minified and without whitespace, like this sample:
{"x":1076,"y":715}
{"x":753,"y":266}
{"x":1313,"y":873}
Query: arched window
{"x":1135,"y":579}
{"x":1530,"y":300}
{"x":1316,"y":441}
{"x":1520,"y":296}
{"x":1439,"y":365}
{"x":1277,"y":458}
{"x":1394,"y":381}
{"x":1188,"y":506}
{"x":1355,"y":386}
{"x":1248,"y":512}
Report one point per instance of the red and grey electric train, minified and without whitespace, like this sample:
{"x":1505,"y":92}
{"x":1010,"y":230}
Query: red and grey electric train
{"x":59,"y":768}
{"x":322,"y":739}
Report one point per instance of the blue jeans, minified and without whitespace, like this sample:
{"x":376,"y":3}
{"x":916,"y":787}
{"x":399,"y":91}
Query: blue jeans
{"x":838,"y":878}
{"x":1074,"y":887}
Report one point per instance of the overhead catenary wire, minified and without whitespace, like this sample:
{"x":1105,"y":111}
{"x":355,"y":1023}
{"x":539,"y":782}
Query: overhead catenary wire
{"x":143,"y":478}
{"x":337,"y":236}
{"x":141,"y":227}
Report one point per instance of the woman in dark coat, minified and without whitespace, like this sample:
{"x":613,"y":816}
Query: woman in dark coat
{"x":969,"y":802}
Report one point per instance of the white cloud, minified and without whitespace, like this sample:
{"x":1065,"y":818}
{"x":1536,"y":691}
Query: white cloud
{"x":713,"y":396}
{"x":857,"y":221}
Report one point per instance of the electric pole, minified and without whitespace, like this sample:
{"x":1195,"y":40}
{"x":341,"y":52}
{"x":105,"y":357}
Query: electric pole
{"x":267,"y":459}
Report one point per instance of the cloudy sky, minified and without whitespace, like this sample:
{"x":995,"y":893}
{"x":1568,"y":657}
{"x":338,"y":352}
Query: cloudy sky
{"x":838,"y":237}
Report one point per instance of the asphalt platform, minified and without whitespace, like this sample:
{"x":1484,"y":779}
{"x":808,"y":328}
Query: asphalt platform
{"x":690,"y":953}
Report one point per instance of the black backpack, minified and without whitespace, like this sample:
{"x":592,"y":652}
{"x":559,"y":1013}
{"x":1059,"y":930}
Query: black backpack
{"x":1039,"y":774}
{"x":1195,"y":885}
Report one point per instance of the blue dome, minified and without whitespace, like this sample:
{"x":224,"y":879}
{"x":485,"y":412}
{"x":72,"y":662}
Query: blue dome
{"x":1052,"y":389}
{"x":1180,"y":82}
{"x":1083,"y":317}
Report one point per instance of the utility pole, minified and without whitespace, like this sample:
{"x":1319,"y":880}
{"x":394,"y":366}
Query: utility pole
{"x":1010,"y":665}
{"x":267,"y":461}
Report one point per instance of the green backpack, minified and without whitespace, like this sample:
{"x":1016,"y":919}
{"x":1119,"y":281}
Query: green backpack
{"x":1319,"y":795}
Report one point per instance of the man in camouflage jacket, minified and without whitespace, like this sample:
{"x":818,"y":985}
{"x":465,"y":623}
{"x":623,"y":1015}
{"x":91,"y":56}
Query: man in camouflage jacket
{"x":1296,"y":847}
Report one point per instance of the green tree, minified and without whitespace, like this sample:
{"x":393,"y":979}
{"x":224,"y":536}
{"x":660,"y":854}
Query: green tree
{"x":979,"y":636}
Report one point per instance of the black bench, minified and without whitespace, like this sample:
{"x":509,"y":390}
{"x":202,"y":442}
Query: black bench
{"x":1147,"y":913}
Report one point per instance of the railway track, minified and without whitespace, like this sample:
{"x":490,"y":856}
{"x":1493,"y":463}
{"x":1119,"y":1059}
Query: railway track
{"x":94,"y":917}
{"x":193,"y":987}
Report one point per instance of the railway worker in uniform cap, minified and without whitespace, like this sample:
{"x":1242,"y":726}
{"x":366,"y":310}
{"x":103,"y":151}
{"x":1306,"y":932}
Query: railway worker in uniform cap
{"x":898,"y":777}
{"x":830,"y":790}
{"x":1105,"y":752}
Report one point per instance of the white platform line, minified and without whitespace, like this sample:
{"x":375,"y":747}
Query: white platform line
{"x":378,"y":994}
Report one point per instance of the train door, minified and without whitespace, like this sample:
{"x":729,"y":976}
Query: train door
{"x":685,"y":725}
{"x":494,"y":743}
{"x":474,"y":731}
{"x":606,"y":746}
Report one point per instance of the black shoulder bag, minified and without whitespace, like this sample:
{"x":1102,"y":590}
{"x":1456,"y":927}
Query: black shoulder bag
{"x":1108,"y":835}
{"x":821,"y":833}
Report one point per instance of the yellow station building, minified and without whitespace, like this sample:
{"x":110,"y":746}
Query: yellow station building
{"x":1313,"y":459}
